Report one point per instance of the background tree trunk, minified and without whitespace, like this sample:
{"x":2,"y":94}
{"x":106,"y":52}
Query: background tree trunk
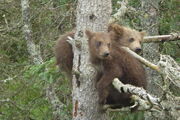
{"x":37,"y":59}
{"x":151,"y":51}
{"x":93,"y":15}
{"x":31,"y":47}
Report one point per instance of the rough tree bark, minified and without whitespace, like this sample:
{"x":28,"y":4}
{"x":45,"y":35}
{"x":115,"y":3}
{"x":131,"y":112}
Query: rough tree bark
{"x":93,"y":15}
{"x":32,"y":49}
{"x":151,"y":50}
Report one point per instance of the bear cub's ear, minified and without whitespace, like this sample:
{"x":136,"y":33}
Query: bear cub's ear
{"x":116,"y":31}
{"x":89,"y":34}
{"x":116,"y":28}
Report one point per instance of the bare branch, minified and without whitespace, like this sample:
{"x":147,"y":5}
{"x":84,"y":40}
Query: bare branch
{"x":4,"y":100}
{"x":166,"y":66}
{"x":32,"y":48}
{"x":143,"y":60}
{"x":121,"y":11}
{"x":4,"y":16}
{"x":8,"y":79}
{"x":160,"y":38}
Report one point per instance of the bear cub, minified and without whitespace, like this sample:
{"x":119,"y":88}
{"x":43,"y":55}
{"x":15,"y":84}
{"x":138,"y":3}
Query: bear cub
{"x":124,"y":36}
{"x":113,"y":62}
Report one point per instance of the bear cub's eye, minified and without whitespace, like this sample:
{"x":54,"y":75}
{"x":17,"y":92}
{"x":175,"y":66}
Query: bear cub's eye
{"x":131,"y":40}
{"x":98,"y":43}
{"x":109,"y":45}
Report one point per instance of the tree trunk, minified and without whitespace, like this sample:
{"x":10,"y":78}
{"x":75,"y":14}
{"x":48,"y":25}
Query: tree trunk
{"x":37,"y":59}
{"x":93,"y":15}
{"x":32,"y":49}
{"x":151,"y":51}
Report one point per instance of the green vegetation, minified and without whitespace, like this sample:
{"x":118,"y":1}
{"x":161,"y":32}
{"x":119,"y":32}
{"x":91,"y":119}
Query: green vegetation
{"x":169,"y":23}
{"x":22,"y":84}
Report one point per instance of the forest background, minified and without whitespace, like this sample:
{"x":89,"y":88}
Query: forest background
{"x":24,"y":86}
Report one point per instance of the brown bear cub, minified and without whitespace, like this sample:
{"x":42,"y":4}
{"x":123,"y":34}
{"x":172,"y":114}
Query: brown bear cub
{"x":124,"y":37}
{"x":64,"y":54}
{"x":114,"y":62}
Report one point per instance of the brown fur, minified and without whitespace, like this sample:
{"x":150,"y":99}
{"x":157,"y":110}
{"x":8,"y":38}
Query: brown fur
{"x":64,"y":53}
{"x":119,"y":64}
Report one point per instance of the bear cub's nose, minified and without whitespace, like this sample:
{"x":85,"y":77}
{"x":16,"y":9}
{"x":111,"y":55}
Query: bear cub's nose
{"x":138,"y":50}
{"x":106,"y":54}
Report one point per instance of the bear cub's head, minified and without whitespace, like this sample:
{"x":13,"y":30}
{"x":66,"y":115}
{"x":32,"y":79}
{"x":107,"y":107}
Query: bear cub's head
{"x":99,"y":44}
{"x":128,"y":37}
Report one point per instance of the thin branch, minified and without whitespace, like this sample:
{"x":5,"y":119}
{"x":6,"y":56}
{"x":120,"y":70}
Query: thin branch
{"x":6,"y":21}
{"x":162,"y":38}
{"x":4,"y":100}
{"x":166,"y":66}
{"x":8,"y":79}
{"x":143,"y":60}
